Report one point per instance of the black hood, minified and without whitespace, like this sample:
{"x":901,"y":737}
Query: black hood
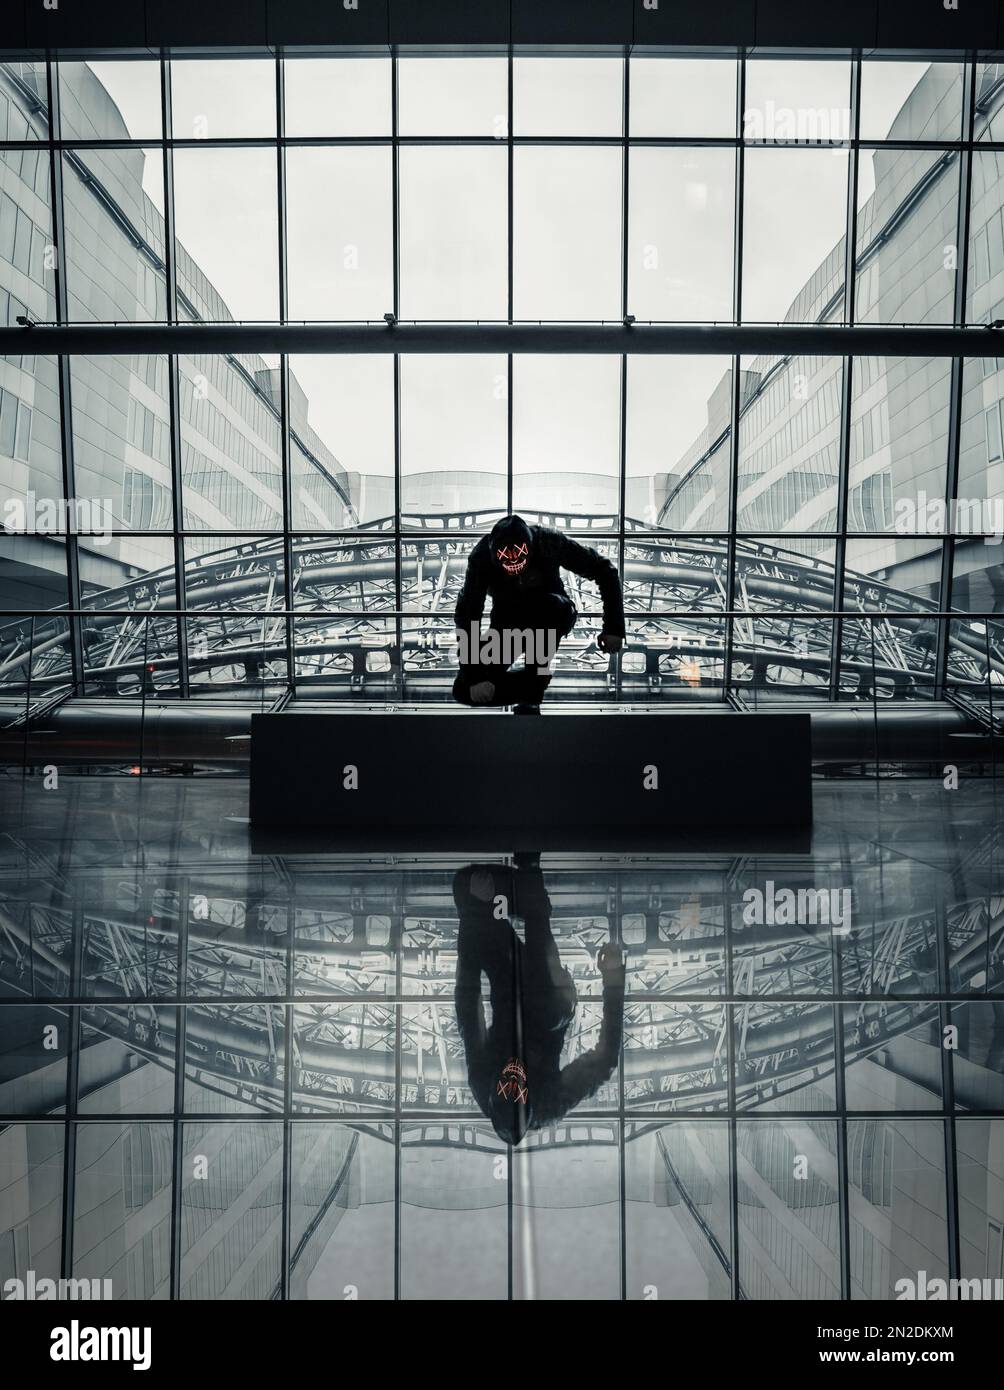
{"x":511,"y":543}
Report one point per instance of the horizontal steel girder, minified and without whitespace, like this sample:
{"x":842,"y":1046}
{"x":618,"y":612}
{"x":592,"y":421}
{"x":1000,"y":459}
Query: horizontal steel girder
{"x":636,"y":339}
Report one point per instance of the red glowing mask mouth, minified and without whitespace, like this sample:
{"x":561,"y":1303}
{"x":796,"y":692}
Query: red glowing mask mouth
{"x":513,"y":558}
{"x":512,"y":1082}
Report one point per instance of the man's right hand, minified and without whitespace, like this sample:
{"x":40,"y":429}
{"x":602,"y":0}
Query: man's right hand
{"x":482,"y":693}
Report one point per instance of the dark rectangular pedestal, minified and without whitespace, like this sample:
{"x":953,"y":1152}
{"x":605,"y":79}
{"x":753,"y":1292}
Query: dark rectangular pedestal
{"x":545,"y":779}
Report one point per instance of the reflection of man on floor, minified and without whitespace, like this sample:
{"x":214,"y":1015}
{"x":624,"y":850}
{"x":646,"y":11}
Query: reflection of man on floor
{"x":514,"y":1065}
{"x":519,"y":568}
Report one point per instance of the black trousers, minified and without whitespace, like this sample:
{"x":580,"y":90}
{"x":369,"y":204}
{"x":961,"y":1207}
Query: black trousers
{"x":551,"y":613}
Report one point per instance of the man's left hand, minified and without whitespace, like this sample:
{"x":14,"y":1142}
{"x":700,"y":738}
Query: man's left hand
{"x":609,"y":642}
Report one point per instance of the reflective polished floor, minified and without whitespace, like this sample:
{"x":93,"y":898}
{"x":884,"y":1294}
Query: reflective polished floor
{"x":229,"y":1075}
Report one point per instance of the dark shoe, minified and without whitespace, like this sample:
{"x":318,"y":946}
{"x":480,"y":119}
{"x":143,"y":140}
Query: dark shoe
{"x":526,"y":709}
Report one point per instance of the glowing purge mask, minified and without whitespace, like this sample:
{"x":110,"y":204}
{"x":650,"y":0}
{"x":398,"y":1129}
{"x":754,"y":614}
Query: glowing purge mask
{"x":513,"y":558}
{"x":512,"y":1082}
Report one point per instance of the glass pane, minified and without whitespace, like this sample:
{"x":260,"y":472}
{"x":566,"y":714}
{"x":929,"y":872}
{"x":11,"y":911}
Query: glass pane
{"x":234,"y":1058}
{"x":981,"y":1201}
{"x":567,"y":233}
{"x":678,"y":427}
{"x":114,"y":100}
{"x":566,"y":442}
{"x":24,"y":102}
{"x":989,"y":97}
{"x":453,"y":96}
{"x":337,"y":96}
{"x":34,"y":1042}
{"x":122,"y":1208}
{"x":789,"y":1212}
{"x":339,"y":230}
{"x":978,"y":516}
{"x":986,"y":239}
{"x":26,"y":251}
{"x":805,"y":101}
{"x":568,"y":96}
{"x":683,"y":96}
{"x":121,"y":443}
{"x":219,"y":98}
{"x":454,"y":433}
{"x":794,"y":218}
{"x":344,"y":1058}
{"x":899,"y":443}
{"x":341,"y":1211}
{"x":566,"y":1227}
{"x":127,"y":1060}
{"x":789,"y":443}
{"x":976,"y":1077}
{"x":910,"y":100}
{"x":676,"y":1180}
{"x":113,"y":208}
{"x":783,"y":1055}
{"x":454,"y":233}
{"x":231,"y":1210}
{"x":226,"y":213}
{"x":682,"y":214}
{"x":230,"y":450}
{"x":342,"y":423}
{"x":31,"y":1200}
{"x":454,"y":1213}
{"x":892,"y":1056}
{"x":907,"y":259}
{"x":675,"y":1057}
{"x":898,"y":1219}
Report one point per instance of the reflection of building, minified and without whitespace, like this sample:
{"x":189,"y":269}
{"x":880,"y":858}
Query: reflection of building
{"x":229,"y":406}
{"x":789,"y":441}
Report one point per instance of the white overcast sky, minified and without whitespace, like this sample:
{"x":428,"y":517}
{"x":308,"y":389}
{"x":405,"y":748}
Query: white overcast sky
{"x":567,"y":227}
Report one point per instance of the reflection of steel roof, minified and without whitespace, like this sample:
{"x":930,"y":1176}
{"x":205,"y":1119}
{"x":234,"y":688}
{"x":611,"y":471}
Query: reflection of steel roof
{"x":349,"y":583}
{"x":346,"y":1034}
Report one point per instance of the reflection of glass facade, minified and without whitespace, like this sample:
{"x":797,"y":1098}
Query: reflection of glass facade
{"x":189,"y":471}
{"x":259,"y":1085}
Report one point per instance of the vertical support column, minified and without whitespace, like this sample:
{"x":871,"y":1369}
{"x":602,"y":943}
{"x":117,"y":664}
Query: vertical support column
{"x":396,"y":271}
{"x":285,"y":447}
{"x":174,"y":376}
{"x":64,"y":378}
{"x":72,"y":1087}
{"x":958,"y":370}
{"x":840,"y":1100}
{"x":180,"y":1050}
{"x":622,"y":442}
{"x":847,"y":386}
{"x":737,"y":307}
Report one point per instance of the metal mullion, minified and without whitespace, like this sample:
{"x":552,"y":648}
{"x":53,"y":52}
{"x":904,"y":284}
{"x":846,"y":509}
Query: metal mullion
{"x":958,"y":374}
{"x":57,"y":228}
{"x":622,"y":441}
{"x":174,"y":378}
{"x":396,"y":272}
{"x":948,"y":1088}
{"x":847,"y":384}
{"x":285,"y":444}
{"x":289,"y":1018}
{"x":737,"y":279}
{"x":510,"y":301}
{"x":180,"y":1053}
{"x":840,"y":1105}
{"x":72,"y":1099}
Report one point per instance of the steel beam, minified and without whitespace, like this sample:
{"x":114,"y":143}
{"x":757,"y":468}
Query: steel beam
{"x":748,"y":340}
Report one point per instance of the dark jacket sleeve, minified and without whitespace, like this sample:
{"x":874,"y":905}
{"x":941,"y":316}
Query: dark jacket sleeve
{"x":587,"y":1073}
{"x":590,"y":564}
{"x":471,"y":600}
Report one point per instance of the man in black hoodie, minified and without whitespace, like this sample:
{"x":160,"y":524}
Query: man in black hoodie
{"x":514,"y":1064}
{"x":519,"y":568}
